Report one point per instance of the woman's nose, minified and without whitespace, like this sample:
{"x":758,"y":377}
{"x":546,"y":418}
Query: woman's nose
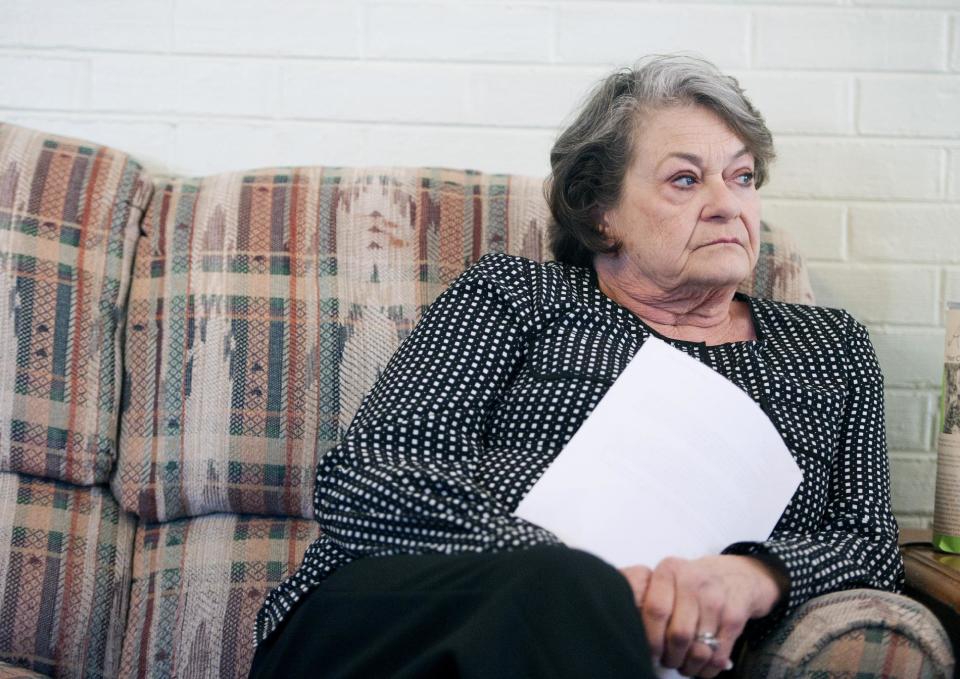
{"x":722,"y":203}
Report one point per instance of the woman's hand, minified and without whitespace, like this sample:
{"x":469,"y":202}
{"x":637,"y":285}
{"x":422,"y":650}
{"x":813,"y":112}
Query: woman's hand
{"x":681,"y":598}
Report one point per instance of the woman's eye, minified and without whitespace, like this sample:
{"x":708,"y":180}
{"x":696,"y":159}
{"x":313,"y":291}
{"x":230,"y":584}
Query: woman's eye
{"x":745,"y":178}
{"x":684,"y":181}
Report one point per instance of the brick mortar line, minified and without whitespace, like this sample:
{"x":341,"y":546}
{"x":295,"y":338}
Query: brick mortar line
{"x":912,"y":455}
{"x":63,"y":52}
{"x":178,"y":116}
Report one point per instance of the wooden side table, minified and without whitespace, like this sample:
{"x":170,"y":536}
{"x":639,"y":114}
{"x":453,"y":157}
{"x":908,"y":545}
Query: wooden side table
{"x":933,"y":579}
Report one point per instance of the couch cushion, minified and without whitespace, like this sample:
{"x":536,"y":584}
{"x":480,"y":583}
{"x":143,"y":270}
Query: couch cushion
{"x":264,"y":305}
{"x":197,"y":587}
{"x":255,"y":303}
{"x":780,"y":272}
{"x":64,"y":577}
{"x":69,"y":216}
{"x":855,"y":633}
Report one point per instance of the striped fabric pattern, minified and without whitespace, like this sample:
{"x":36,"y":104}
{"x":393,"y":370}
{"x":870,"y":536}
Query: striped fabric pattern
{"x":64,"y":577}
{"x":264,"y":305}
{"x":868,"y":633}
{"x":780,"y":272}
{"x":197,"y":586}
{"x":69,"y":216}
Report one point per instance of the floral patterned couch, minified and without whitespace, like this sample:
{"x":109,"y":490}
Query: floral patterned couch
{"x":178,"y":353}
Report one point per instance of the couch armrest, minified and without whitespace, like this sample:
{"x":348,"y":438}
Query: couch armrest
{"x":859,"y":632}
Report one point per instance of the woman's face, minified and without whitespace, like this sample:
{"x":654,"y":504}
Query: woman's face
{"x":689,"y":213}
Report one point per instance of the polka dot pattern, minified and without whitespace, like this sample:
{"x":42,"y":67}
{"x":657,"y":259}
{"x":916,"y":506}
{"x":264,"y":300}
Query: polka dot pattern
{"x":507,"y":364}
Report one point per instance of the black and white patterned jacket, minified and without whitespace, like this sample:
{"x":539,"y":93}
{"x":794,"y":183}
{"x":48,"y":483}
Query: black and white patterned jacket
{"x":511,"y":359}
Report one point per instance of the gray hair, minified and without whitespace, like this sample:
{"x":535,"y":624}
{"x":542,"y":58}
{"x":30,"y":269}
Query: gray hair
{"x":590,"y":157}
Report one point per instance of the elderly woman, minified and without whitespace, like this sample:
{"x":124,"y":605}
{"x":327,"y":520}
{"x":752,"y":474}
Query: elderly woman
{"x":655,"y":223}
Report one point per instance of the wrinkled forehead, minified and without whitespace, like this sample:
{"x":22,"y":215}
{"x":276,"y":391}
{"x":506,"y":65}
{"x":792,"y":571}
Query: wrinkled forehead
{"x":691,"y":133}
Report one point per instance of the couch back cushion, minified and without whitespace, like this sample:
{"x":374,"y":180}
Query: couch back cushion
{"x":264,"y":305}
{"x":69,"y":218}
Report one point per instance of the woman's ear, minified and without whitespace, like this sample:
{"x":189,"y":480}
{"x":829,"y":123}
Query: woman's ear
{"x":602,"y":218}
{"x":607,"y":230}
{"x":604,"y":227}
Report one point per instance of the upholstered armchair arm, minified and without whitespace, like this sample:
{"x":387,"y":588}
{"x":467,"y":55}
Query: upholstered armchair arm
{"x":13,"y":672}
{"x":854,"y":633}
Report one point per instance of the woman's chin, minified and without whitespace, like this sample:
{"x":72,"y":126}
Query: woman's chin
{"x":730,"y":275}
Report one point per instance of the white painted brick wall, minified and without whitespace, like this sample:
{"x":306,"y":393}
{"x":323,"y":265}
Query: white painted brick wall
{"x":819,"y":229}
{"x":900,"y":233}
{"x":841,"y":39}
{"x":612,"y":32}
{"x":913,"y":428}
{"x":138,"y":25}
{"x":863,"y":97}
{"x":952,"y":284}
{"x":249,"y":27}
{"x":777,"y":98}
{"x":918,"y":106}
{"x":857,"y":168}
{"x":953,"y":174}
{"x":903,"y":294}
{"x":459,"y":31}
{"x":24,"y":82}
{"x":913,"y":479}
{"x":910,"y":356}
{"x":151,"y":84}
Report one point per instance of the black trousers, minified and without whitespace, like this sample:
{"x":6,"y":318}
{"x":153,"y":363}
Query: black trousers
{"x":541,"y":612}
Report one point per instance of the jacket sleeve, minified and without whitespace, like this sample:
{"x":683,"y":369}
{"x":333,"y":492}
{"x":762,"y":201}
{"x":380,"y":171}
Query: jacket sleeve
{"x":403,"y":480}
{"x":856,"y":543}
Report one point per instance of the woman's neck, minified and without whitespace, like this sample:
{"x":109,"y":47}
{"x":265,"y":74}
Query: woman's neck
{"x":704,"y":315}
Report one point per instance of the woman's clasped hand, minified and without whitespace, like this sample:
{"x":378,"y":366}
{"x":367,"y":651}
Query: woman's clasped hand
{"x":712,"y":597}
